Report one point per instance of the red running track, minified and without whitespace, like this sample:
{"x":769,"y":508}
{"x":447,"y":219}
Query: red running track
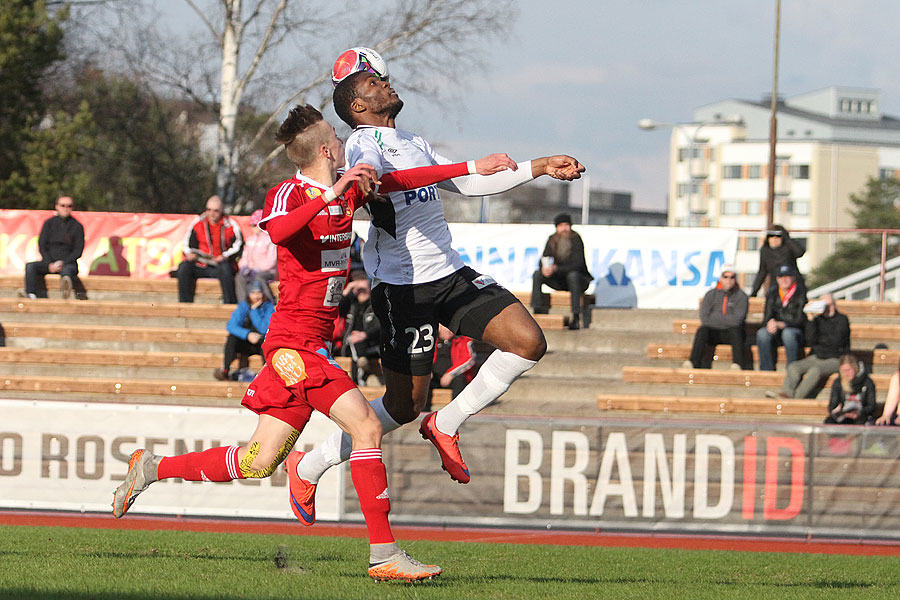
{"x":459,"y":534}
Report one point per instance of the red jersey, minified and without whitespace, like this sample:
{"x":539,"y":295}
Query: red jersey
{"x":314,"y":252}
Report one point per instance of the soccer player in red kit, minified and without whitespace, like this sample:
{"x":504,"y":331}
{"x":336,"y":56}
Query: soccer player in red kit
{"x":309,"y":218}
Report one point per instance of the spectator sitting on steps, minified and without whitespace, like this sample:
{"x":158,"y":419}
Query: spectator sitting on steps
{"x":211,"y":248}
{"x":828,"y":335}
{"x":852,"y":399}
{"x":61,"y":243}
{"x":247,"y":329}
{"x":722,"y":316}
{"x":563,"y":268}
{"x":783,"y":320}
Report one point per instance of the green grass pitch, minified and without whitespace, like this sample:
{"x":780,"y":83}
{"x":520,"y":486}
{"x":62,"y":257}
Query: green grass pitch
{"x":83,"y":564}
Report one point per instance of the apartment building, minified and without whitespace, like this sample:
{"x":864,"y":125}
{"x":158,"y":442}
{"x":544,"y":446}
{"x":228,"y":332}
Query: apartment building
{"x":830,"y":142}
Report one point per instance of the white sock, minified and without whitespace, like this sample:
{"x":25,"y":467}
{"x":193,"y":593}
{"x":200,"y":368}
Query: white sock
{"x":337,"y":447}
{"x":493,"y":379}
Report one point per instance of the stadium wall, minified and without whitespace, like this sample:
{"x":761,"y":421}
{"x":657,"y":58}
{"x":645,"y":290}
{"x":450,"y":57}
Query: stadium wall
{"x":597,"y":474}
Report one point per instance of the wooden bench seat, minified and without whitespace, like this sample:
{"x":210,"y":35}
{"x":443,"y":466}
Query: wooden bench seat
{"x":108,"y":308}
{"x":557,"y":299}
{"x":108,"y":283}
{"x":113,"y":389}
{"x":115,"y":333}
{"x":851,"y":308}
{"x":712,"y":405}
{"x":858,"y":331}
{"x":721,"y":377}
{"x":680,"y":352}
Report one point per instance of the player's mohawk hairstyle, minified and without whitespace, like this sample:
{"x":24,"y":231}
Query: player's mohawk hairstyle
{"x":345,"y":93}
{"x":301,"y":141}
{"x":298,"y":119}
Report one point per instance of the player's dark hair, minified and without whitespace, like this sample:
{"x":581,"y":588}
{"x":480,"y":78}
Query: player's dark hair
{"x":301,"y":149}
{"x":345,"y":93}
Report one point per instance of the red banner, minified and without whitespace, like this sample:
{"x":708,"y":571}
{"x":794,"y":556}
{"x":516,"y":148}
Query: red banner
{"x":140,"y":245}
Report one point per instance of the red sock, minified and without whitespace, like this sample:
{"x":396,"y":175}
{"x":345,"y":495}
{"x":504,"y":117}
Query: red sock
{"x":370,"y":480}
{"x":215,"y":464}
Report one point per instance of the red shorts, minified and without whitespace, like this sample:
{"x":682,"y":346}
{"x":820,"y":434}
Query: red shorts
{"x":294,"y":382}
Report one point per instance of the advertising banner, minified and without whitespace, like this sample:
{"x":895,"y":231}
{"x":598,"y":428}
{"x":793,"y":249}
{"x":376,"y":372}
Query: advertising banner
{"x":660,"y":475}
{"x":597,"y":474}
{"x":646,"y":267}
{"x":72,"y":456}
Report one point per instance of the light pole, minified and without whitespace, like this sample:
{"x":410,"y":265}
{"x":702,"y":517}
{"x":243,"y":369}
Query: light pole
{"x":650,"y":124}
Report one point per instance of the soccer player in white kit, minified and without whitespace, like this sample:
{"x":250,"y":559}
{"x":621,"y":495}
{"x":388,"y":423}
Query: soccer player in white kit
{"x":420,"y":281}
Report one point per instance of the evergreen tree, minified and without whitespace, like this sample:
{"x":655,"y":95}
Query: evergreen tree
{"x":875,"y":208}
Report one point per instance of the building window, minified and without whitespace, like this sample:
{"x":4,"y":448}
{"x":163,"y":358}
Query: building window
{"x":731,"y":207}
{"x":731,"y":171}
{"x":751,"y":243}
{"x":799,"y":208}
{"x":754,"y":172}
{"x":799,"y":171}
{"x":754,"y":207}
{"x":885,"y":174}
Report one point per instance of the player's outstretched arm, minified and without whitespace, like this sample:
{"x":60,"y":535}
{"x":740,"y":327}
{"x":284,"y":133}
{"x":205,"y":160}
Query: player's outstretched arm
{"x":560,"y":166}
{"x":362,"y":174}
{"x":408,"y":179}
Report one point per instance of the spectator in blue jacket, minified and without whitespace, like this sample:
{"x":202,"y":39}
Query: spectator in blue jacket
{"x":246,"y":329}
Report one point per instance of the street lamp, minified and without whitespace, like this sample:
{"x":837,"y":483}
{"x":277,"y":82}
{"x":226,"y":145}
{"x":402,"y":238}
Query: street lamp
{"x":650,"y":124}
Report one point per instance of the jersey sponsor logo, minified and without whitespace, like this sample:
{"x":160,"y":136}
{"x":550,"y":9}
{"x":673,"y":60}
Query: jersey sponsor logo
{"x":335,"y":260}
{"x":483,"y":281}
{"x":335,"y":209}
{"x":333,"y":290}
{"x":423,"y":194}
{"x":289,"y":366}
{"x":336,"y":237}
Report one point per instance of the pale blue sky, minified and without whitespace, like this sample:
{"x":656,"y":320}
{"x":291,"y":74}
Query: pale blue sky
{"x":577,"y":75}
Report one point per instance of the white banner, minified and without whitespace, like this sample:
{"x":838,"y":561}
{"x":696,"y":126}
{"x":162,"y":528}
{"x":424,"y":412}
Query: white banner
{"x":72,"y":456}
{"x":643,"y":267}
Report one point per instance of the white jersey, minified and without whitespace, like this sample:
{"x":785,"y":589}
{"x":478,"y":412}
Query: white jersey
{"x":409,"y":240}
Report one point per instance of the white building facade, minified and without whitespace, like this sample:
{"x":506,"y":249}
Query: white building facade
{"x":829,"y":143}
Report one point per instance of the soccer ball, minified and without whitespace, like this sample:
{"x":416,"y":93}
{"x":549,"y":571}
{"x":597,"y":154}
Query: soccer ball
{"x":358,"y":59}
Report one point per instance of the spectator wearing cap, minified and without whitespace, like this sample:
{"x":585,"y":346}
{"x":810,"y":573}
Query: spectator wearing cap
{"x":246,"y":329}
{"x":562,"y":268}
{"x":259,"y":261}
{"x":722,"y":316}
{"x":828,"y":336}
{"x":778,"y":249}
{"x":783,"y":320}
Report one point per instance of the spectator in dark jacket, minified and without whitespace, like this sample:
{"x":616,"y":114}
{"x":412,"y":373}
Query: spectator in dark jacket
{"x":783,"y":320}
{"x":61,"y":243}
{"x":362,"y":333}
{"x":212,"y":247}
{"x":852,"y":394}
{"x":828,"y":336}
{"x":247,"y":329}
{"x":778,"y":249}
{"x":562,"y":267}
{"x":722,"y":315}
